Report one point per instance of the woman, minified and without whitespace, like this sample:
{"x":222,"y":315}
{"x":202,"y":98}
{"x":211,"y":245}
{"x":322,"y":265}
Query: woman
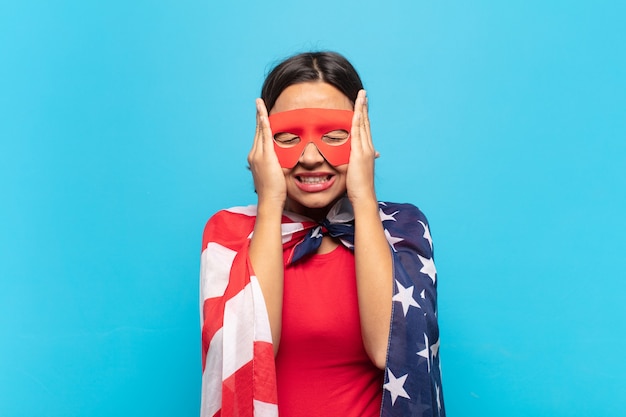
{"x":318,"y":300}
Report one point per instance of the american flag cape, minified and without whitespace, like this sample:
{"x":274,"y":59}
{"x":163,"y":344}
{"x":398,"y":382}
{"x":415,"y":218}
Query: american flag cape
{"x":238,"y":374}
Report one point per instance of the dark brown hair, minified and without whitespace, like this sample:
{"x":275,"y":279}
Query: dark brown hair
{"x":328,"y":67}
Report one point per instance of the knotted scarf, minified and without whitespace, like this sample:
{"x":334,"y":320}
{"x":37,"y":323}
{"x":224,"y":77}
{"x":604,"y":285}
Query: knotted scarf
{"x":237,"y":356}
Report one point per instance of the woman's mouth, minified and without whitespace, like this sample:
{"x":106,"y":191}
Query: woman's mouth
{"x":313,"y":180}
{"x":312,"y":183}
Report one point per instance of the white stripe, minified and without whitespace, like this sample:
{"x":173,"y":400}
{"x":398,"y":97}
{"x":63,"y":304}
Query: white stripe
{"x":212,"y":378}
{"x":262,"y":409}
{"x":294,"y":217}
{"x":247,"y":210}
{"x":238,"y":331}
{"x":262,"y":331}
{"x":288,"y":229}
{"x":215,"y":265}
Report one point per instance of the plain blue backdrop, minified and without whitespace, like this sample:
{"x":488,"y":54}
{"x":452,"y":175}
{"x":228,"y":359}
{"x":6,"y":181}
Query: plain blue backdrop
{"x":125,"y":124}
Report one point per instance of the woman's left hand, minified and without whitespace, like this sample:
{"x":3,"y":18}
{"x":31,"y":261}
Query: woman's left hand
{"x":360,"y":176}
{"x":372,"y":254}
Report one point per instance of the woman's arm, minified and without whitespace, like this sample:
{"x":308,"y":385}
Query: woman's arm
{"x":371,"y":250}
{"x":266,"y":250}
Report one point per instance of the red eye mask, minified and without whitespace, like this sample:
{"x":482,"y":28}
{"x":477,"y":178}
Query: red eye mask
{"x":310,"y":125}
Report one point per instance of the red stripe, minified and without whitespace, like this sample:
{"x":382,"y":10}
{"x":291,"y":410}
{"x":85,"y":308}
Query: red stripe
{"x":228,"y":229}
{"x":237,"y":393}
{"x":264,"y":373}
{"x":239,"y":273}
{"x":213,"y":311}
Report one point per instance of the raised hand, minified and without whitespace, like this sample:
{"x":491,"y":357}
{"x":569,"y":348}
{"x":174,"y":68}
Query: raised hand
{"x":360,"y":177}
{"x":269,"y":180}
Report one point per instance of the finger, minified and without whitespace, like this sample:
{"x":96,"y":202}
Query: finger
{"x":261,"y":107}
{"x":366,"y":121}
{"x":365,"y":127}
{"x":261,"y":114}
{"x":366,"y":140}
{"x":357,"y":122}
{"x":257,"y":143}
{"x":267,"y":137}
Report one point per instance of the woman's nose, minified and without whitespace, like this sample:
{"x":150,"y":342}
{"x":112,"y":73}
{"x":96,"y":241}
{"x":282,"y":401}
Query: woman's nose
{"x":311,"y":155}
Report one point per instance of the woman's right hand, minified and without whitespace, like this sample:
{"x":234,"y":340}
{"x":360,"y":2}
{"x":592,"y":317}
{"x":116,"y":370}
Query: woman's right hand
{"x":269,"y":179}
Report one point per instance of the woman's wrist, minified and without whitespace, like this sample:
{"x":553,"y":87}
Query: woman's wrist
{"x":268,"y":208}
{"x":364,"y":202}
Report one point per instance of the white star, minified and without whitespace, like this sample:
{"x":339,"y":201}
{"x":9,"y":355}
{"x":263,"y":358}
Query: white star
{"x":392,"y":240}
{"x":428,"y":268}
{"x":405,"y":296}
{"x":426,"y":234}
{"x":395,"y":386}
{"x":435,"y":348}
{"x":385,"y":217}
{"x":424,"y":352}
{"x":423,"y":294}
{"x":316,"y":232}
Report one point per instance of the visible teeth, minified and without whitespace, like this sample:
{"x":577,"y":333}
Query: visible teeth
{"x":313,"y":180}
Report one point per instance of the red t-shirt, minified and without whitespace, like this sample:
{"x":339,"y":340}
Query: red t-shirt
{"x":321,"y":367}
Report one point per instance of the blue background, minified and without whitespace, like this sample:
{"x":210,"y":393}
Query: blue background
{"x":125,"y":125}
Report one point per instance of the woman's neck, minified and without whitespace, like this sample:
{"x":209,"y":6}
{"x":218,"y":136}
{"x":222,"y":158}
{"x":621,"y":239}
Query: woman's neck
{"x":314,"y":213}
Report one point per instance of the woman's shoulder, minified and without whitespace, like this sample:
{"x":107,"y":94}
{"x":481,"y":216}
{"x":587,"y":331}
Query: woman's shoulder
{"x":406,"y":227}
{"x":406,"y":211}
{"x":229,"y":226}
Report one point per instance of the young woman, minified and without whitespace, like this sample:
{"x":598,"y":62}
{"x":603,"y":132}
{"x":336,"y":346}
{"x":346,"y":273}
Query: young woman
{"x":319,"y":300}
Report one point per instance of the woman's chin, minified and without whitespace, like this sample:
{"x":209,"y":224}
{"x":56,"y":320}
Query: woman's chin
{"x":312,"y":206}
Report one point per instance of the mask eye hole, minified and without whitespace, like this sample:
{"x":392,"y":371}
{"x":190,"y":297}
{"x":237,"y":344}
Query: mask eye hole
{"x":286,"y":140}
{"x":336,"y":137}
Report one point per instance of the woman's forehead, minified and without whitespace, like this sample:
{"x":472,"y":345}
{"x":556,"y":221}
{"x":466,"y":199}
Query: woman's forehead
{"x":311,"y":95}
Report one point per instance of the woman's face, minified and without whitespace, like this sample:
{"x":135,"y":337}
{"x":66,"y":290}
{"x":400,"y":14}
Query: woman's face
{"x":313,"y":185}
